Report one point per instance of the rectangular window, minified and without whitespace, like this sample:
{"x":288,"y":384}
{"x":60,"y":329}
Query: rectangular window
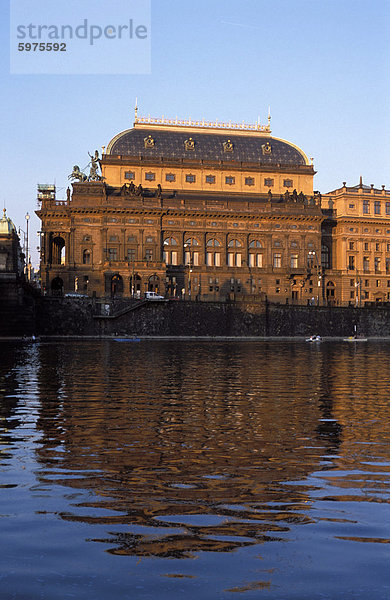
{"x":112,"y":254}
{"x":366,"y":207}
{"x":388,"y":266}
{"x":238,"y":259}
{"x":268,"y":182}
{"x":277,"y":260}
{"x":174,"y":257}
{"x":148,"y":254}
{"x":209,"y":259}
{"x":366,"y":283}
{"x":377,"y":207}
{"x":351,"y":262}
{"x":366,"y":246}
{"x":217,"y":259}
{"x":230,"y":180}
{"x":288,"y":183}
{"x":377,"y":264}
{"x":378,"y":283}
{"x":256,"y":260}
{"x":231,"y":259}
{"x":170,"y":177}
{"x":352,"y":295}
{"x":190,"y":178}
{"x":129,"y":175}
{"x":195,"y":258}
{"x":352,"y":245}
{"x":388,"y":208}
{"x":249,"y":181}
{"x":377,"y":247}
{"x":210,"y":179}
{"x":352,"y":282}
{"x":150,"y":176}
{"x":131,"y":254}
{"x":294,"y":261}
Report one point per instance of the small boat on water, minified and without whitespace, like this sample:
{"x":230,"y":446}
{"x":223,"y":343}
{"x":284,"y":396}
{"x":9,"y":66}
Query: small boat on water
{"x":314,"y":338}
{"x":355,"y":338}
{"x":128,"y":339}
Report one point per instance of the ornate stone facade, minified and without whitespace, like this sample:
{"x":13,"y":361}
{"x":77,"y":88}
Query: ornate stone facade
{"x":201,"y":211}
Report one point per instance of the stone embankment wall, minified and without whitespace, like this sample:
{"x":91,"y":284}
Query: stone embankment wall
{"x":66,"y":316}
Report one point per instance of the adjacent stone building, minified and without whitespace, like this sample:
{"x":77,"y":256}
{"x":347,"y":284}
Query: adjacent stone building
{"x":356,"y":239}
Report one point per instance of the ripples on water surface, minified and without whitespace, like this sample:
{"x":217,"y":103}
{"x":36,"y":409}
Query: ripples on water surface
{"x":194,"y":469}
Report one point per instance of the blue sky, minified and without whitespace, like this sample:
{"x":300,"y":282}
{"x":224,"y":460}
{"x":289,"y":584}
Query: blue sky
{"x":322,"y":65}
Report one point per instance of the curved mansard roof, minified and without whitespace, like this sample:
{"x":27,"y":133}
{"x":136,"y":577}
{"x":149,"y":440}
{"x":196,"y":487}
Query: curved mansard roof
{"x":173,"y":143}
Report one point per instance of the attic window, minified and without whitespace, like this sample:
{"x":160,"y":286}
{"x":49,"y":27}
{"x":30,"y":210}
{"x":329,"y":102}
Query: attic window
{"x":129,"y":175}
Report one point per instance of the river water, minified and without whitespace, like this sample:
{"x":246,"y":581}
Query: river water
{"x":197,"y":470}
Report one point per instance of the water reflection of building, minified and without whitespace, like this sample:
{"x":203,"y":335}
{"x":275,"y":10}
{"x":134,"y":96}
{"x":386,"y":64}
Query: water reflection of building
{"x":185,"y":431}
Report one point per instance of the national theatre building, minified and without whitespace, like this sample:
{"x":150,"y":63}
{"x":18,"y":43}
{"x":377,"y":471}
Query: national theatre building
{"x":201,"y":211}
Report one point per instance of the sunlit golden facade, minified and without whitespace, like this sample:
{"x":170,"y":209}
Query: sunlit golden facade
{"x":359,"y":243}
{"x":205,"y":211}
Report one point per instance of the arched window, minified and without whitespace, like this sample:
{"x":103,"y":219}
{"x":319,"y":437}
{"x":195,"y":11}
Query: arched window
{"x":192,"y":242}
{"x":191,"y":256}
{"x":213,"y":242}
{"x":86,"y":257}
{"x":170,"y":241}
{"x":170,"y":256}
{"x":116,"y":284}
{"x":255,"y":258}
{"x":234,"y":244}
{"x":154,"y":283}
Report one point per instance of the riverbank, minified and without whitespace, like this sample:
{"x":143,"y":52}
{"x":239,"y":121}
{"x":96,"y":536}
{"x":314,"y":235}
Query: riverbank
{"x":91,"y":318}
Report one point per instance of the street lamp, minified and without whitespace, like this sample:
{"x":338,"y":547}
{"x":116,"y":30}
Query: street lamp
{"x":188,"y":245}
{"x":313,"y":256}
{"x":27,"y":217}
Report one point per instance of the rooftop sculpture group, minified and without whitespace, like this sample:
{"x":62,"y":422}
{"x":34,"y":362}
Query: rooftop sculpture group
{"x":94,"y":164}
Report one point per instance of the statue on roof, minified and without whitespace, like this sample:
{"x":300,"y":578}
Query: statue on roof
{"x":95,"y":164}
{"x":77,"y":174}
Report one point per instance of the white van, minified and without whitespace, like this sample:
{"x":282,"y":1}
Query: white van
{"x":153,"y":296}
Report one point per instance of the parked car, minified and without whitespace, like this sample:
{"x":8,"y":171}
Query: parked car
{"x":153,"y":296}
